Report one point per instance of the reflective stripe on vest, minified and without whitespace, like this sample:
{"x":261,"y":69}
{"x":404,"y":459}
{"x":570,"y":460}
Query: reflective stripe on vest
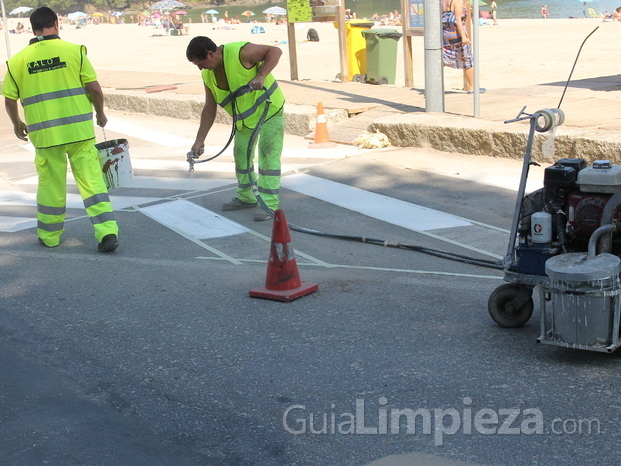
{"x":53,"y":95}
{"x":59,"y":122}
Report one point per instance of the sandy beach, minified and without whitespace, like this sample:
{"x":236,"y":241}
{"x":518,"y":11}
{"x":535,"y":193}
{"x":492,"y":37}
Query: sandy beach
{"x":516,"y":53}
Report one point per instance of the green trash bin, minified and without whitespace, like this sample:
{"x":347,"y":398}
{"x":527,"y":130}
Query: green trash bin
{"x":381,"y":48}
{"x":356,"y":48}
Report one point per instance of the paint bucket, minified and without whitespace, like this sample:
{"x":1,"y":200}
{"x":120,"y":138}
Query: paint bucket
{"x":115,"y":163}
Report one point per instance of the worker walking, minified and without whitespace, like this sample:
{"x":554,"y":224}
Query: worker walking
{"x":57,"y":87}
{"x":226,"y":69}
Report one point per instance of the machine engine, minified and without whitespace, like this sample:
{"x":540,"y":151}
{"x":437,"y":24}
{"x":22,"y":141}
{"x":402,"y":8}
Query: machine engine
{"x":562,"y":216}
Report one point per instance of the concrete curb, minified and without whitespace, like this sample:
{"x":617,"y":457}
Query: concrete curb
{"x":447,"y":133}
{"x":299,"y":119}
{"x":450,"y":133}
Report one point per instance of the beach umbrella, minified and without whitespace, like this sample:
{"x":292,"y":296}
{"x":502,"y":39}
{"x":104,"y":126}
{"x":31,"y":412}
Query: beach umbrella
{"x":275,"y":10}
{"x":98,"y":14}
{"x":212,"y":12}
{"x":76,"y":15}
{"x":180,"y":12}
{"x":166,"y":5}
{"x":482,"y":3}
{"x":248,"y":13}
{"x":20,"y":9}
{"x":119,"y":13}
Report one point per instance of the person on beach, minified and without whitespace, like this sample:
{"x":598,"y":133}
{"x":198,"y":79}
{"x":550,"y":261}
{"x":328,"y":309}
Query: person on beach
{"x":492,"y":8}
{"x":456,"y":46}
{"x":225,"y":70}
{"x":57,"y":87}
{"x":617,"y":14}
{"x":544,"y":11}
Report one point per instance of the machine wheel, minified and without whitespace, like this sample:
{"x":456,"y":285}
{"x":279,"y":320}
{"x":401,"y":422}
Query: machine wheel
{"x":502,"y":313}
{"x":358,"y":78}
{"x":383,"y":80}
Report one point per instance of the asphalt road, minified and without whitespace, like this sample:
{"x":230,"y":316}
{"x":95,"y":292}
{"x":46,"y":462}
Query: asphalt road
{"x":157,"y":355}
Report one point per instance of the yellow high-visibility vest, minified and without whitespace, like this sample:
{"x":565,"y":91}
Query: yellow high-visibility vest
{"x":57,"y":108}
{"x":249,"y":106}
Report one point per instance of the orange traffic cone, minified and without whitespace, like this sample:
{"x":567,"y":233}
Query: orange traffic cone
{"x":322,"y":138}
{"x":282,"y":281}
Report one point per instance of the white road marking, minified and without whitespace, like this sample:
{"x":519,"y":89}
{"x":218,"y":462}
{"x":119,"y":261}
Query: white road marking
{"x":208,"y":167}
{"x":13,"y":224}
{"x":158,"y":217}
{"x":387,"y":209}
{"x":193,"y":219}
{"x":363,"y":267}
{"x":74,"y":201}
{"x":155,"y":182}
{"x":129,"y":130}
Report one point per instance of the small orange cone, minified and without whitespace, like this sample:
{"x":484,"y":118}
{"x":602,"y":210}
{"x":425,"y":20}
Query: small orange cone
{"x":322,"y":138}
{"x":282,"y":281}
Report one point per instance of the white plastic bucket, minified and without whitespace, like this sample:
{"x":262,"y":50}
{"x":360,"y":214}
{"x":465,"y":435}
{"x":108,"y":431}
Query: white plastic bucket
{"x":115,"y":163}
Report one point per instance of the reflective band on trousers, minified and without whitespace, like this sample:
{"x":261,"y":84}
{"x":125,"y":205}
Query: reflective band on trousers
{"x":102,"y":218}
{"x":268,"y":191}
{"x":35,"y":99}
{"x":50,"y":226}
{"x":60,"y":122}
{"x":264,"y":172}
{"x":96,"y":199}
{"x":47,"y":210}
{"x":239,"y":170}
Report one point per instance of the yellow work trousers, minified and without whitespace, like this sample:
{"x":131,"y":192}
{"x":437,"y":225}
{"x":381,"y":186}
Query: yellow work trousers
{"x":270,"y":144}
{"x":51,"y":166}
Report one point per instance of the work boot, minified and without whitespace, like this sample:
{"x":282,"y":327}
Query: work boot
{"x":42,"y":243}
{"x":108,"y":244}
{"x":262,"y":216}
{"x":238,"y":204}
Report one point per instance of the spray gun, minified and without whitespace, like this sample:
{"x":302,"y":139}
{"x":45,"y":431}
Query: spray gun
{"x":191,"y":156}
{"x":190,"y":161}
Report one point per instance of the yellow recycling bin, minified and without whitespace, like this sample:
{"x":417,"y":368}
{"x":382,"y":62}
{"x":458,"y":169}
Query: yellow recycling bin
{"x":356,"y":45}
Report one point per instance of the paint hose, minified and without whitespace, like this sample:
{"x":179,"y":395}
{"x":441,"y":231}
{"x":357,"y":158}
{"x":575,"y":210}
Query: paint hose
{"x":359,"y":239}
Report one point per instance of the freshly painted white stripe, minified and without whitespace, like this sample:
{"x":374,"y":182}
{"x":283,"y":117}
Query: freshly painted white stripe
{"x":183,"y":184}
{"x":13,"y":224}
{"x":338,"y":152}
{"x":18,"y":198}
{"x":189,"y":237}
{"x":378,"y":206}
{"x":74,"y":201}
{"x":153,"y":182}
{"x":207,"y":167}
{"x":504,"y":182}
{"x":130,"y":130}
{"x":193,"y":219}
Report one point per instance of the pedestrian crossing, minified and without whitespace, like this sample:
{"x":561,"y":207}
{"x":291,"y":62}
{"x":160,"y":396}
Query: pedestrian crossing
{"x":152,"y":175}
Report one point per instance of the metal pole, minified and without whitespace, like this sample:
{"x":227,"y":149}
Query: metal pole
{"x":434,"y":77}
{"x":475,"y":57}
{"x":521,"y":190}
{"x":6,"y":31}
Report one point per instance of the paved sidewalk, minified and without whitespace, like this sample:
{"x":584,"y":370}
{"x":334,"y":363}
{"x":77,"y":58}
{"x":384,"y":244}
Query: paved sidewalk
{"x":591,"y":129}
